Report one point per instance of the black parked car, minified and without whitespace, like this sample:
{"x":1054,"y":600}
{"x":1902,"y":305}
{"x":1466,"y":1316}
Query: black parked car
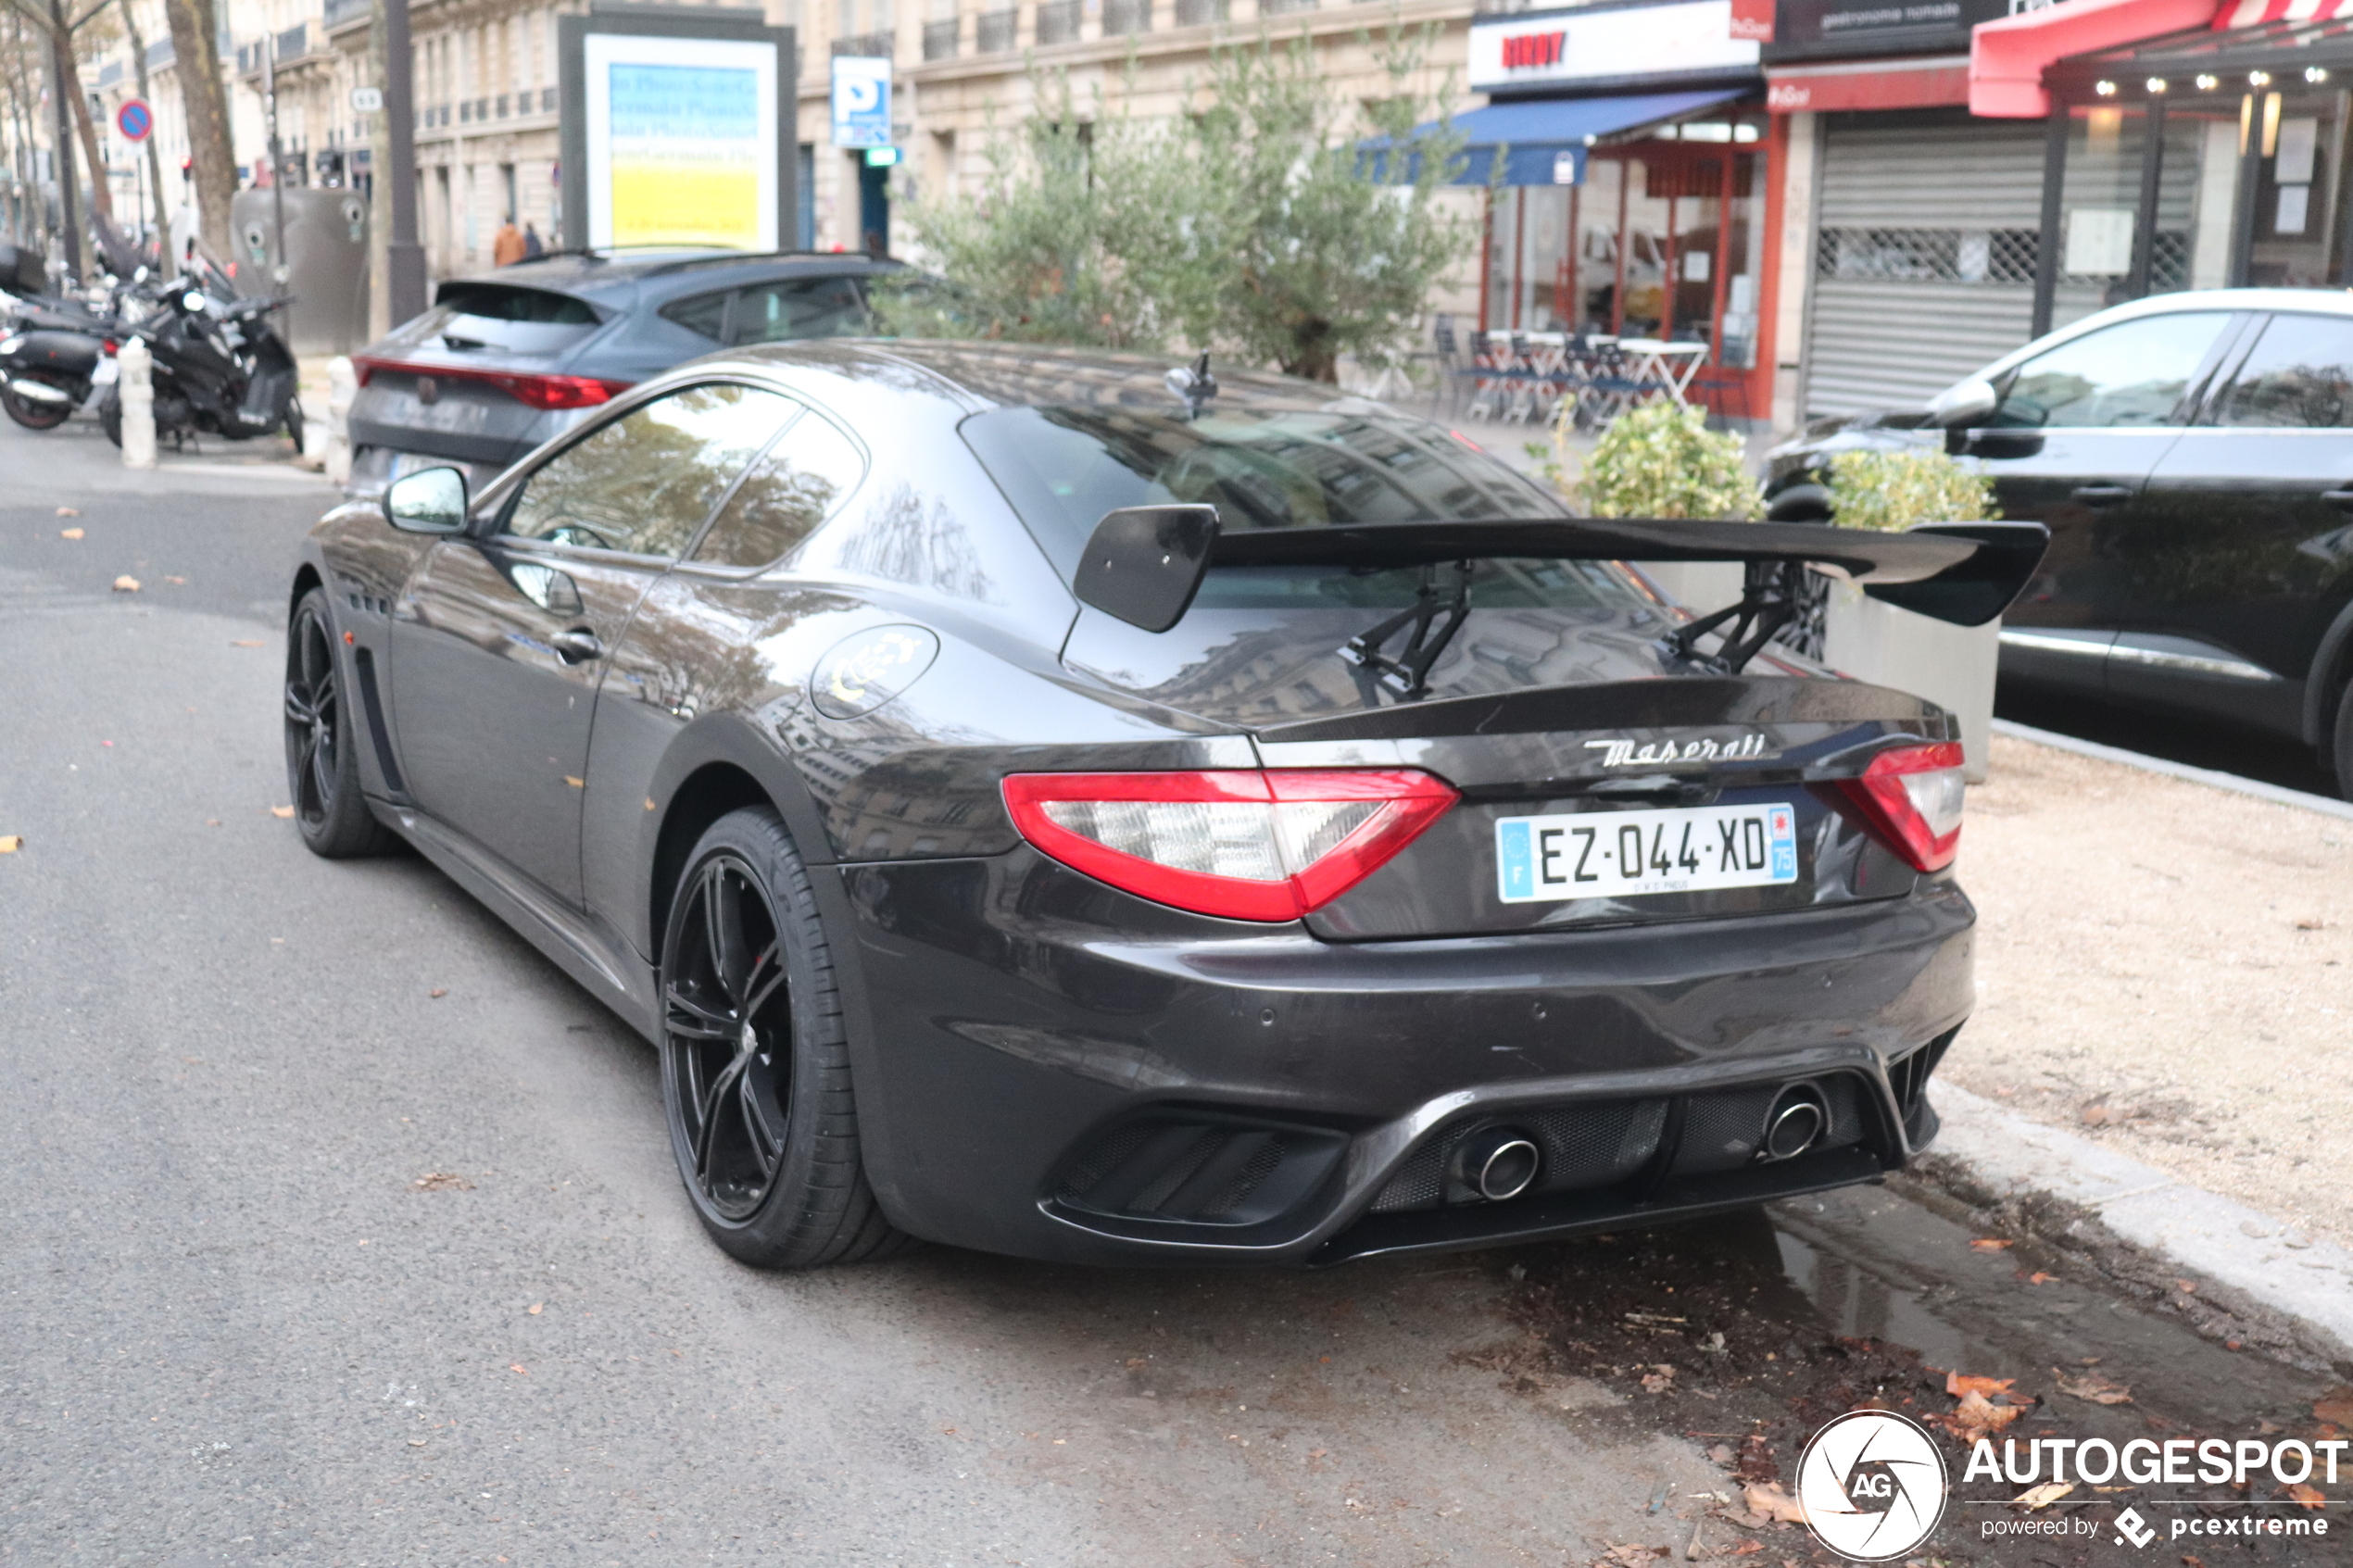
{"x":504,"y":361}
{"x":1042,"y":804}
{"x":2192,"y":454}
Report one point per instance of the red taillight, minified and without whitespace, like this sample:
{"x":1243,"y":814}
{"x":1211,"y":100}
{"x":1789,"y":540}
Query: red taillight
{"x":1240,"y":843}
{"x":1911,"y":796}
{"x":538,"y":391}
{"x":111,"y":347}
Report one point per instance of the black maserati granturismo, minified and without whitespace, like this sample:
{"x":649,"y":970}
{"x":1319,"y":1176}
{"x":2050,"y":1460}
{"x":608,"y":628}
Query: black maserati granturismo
{"x":1080,"y":808}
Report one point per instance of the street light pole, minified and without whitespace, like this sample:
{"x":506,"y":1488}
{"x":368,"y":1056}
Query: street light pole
{"x":404,"y":257}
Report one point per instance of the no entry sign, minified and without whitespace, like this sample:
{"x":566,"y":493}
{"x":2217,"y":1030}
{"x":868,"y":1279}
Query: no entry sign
{"x":134,"y":119}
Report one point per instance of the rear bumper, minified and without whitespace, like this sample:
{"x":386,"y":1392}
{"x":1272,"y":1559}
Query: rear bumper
{"x":1022,"y":1031}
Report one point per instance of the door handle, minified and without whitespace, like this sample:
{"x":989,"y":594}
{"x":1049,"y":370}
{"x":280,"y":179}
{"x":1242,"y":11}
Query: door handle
{"x":2102,"y":495}
{"x":2341,"y":499}
{"x":577,"y":644}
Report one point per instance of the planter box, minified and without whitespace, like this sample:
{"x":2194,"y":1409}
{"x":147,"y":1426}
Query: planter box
{"x":1951,"y":666}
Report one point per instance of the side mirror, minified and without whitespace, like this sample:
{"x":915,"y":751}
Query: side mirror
{"x":1969,"y":402}
{"x":1144,"y":564}
{"x":433,"y":501}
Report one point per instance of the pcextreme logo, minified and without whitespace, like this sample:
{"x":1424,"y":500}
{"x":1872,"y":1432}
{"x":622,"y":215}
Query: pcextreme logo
{"x":1872,"y":1485}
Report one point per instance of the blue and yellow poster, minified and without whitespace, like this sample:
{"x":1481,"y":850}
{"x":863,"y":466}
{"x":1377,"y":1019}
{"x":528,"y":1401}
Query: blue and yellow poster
{"x":682,"y":142}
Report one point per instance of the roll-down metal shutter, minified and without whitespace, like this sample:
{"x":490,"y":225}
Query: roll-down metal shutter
{"x":1923,"y":255}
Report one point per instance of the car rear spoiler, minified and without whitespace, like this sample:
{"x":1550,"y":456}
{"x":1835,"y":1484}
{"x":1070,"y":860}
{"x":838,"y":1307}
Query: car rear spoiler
{"x":1144,"y":565}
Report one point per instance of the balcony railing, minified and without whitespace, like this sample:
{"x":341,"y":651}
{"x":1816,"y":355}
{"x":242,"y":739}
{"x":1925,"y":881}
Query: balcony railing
{"x":995,"y":31}
{"x":1200,"y":13}
{"x":1057,"y":21}
{"x":872,"y":45}
{"x":942,"y":38}
{"x":1123,"y":17}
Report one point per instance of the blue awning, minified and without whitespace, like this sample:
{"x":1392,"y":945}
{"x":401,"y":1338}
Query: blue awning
{"x":1544,"y":139}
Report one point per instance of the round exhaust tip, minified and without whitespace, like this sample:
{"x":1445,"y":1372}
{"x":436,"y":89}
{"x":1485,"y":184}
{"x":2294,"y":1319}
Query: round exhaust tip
{"x":1797,"y":1121}
{"x":1499,"y":1163}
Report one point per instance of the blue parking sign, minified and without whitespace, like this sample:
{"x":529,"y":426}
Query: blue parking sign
{"x":862,"y":101}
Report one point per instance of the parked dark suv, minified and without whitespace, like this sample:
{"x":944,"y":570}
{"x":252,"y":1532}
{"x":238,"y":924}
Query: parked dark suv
{"x":505,"y":360}
{"x":2191,"y":456}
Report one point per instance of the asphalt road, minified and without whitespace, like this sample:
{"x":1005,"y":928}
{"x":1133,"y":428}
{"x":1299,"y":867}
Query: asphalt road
{"x":340,"y":1228}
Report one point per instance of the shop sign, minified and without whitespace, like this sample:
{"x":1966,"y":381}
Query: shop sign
{"x":1939,"y":82}
{"x":1813,"y":30}
{"x":1690,"y":38}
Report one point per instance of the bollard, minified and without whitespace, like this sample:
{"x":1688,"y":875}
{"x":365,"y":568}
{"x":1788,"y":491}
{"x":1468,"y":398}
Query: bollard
{"x":137,"y":392}
{"x":343,"y":386}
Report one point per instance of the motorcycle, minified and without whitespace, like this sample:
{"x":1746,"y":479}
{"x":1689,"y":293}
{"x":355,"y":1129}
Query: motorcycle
{"x":219,"y":369}
{"x":52,"y":355}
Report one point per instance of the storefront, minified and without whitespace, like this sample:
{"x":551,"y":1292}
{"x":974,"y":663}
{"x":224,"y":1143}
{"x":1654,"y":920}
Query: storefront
{"x":2216,"y":157}
{"x":1634,"y":193}
{"x":1919,"y":264}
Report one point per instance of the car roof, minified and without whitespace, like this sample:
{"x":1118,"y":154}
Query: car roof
{"x":1031,"y":375}
{"x":666,"y":272}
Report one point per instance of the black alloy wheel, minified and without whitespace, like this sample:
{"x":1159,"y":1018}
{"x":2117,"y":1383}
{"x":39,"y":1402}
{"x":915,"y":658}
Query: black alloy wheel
{"x":322,"y":765}
{"x":32,"y":413}
{"x":755,"y":1064}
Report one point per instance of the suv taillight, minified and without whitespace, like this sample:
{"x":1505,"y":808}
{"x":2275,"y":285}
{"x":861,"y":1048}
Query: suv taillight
{"x":1911,"y":797}
{"x":536,"y":390}
{"x":1245,"y":844}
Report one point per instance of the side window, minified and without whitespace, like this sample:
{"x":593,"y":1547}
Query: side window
{"x":792,"y":487}
{"x":2299,"y":376}
{"x":793,"y":307}
{"x":705,"y":315}
{"x":645,"y":483}
{"x":2127,"y":375}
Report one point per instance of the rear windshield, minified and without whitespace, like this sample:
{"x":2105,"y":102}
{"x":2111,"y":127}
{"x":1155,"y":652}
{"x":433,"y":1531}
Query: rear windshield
{"x":1063,"y":466}
{"x":503,"y":302}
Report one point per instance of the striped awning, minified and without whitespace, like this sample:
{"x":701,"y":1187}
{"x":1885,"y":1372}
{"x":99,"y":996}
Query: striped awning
{"x":2255,"y":13}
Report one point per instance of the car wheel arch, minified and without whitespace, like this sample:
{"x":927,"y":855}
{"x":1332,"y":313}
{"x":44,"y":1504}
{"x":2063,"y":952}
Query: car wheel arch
{"x":305,"y":578}
{"x":717,"y":764}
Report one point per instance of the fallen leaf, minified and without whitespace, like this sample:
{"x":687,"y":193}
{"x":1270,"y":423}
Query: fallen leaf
{"x":1768,"y":1498}
{"x":2039,"y":1278}
{"x":438,"y":991}
{"x":2190,"y":1561}
{"x":1978,"y":1417}
{"x":246,"y":642}
{"x":69,"y":533}
{"x":2099,"y":1115}
{"x":1658,"y":1380}
{"x":2047,"y":1493}
{"x":2093,"y":1386}
{"x":2309,"y":1495}
{"x":517,"y":1366}
{"x":2335,"y":1406}
{"x":2312,"y":925}
{"x":1958,"y":1384}
{"x":1990,"y":1244}
{"x":1633,"y":1556}
{"x":126,"y":584}
{"x":416,"y":1442}
{"x":181,"y":580}
{"x":2186,"y":1286}
{"x":1747,"y":1548}
{"x":281,"y":811}
{"x":442,"y":1181}
{"x":11,"y":843}
{"x":536,"y":1307}
{"x":67,"y":511}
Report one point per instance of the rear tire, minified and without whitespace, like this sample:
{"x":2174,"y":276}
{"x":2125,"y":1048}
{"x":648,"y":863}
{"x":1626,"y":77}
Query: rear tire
{"x":755,"y":1060}
{"x":2340,"y":749}
{"x":110,"y":416}
{"x":32,"y":415}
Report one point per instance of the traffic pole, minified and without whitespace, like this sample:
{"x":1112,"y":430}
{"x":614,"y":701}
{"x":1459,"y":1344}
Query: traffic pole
{"x":404,"y":257}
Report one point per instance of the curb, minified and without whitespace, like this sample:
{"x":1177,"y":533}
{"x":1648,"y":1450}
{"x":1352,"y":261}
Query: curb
{"x":2276,"y":794}
{"x":2192,"y":1231}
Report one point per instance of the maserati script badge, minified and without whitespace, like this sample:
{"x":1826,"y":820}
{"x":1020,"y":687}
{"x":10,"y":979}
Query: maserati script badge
{"x":1619,"y":752}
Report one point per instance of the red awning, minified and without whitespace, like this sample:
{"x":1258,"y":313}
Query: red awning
{"x":2007,"y":56}
{"x":2251,"y":13}
{"x":1871,"y":84}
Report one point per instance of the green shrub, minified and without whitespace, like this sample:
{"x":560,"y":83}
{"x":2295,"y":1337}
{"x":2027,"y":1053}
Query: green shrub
{"x":1660,"y":460}
{"x":1892,"y":491}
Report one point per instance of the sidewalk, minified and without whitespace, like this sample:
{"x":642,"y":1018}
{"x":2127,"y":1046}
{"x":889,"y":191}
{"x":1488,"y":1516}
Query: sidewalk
{"x":2166,"y":969}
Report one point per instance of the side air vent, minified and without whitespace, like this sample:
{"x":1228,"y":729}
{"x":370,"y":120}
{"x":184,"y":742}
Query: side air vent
{"x":1200,"y":1169}
{"x":1910,"y":1077}
{"x":377,"y":734}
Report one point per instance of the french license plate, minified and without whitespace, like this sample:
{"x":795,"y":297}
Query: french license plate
{"x":1616,"y":854}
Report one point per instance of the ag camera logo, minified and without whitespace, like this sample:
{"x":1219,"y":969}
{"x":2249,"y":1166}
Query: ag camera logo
{"x":1872,"y":1485}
